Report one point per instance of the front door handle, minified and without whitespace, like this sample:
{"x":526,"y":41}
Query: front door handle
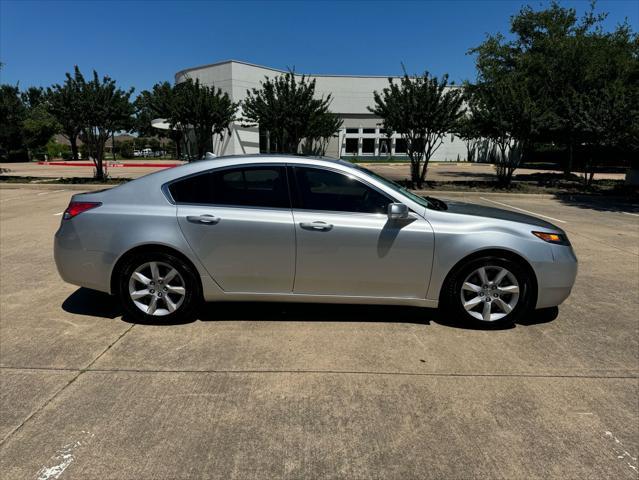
{"x":204,"y":219}
{"x":321,"y":226}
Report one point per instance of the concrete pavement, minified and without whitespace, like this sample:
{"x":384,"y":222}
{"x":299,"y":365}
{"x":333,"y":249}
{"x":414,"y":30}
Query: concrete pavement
{"x":318,"y":391}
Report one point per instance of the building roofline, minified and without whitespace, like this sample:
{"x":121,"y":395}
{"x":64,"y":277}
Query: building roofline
{"x":223,"y":62}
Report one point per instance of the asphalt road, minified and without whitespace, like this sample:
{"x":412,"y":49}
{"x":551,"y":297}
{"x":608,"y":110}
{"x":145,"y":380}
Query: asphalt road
{"x":312,"y":391}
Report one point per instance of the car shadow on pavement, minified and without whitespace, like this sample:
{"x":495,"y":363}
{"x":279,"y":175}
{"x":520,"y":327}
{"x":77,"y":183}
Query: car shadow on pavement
{"x":536,"y":317}
{"x":628,"y":204}
{"x":313,"y":312}
{"x":97,"y":304}
{"x":85,"y":301}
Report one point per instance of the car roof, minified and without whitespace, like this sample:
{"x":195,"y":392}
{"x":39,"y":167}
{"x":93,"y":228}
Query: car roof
{"x":283,"y":157}
{"x":232,"y":160}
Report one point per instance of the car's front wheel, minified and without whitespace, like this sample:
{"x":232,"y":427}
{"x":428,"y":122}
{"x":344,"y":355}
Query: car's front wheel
{"x":159,"y":287}
{"x":489,"y":291}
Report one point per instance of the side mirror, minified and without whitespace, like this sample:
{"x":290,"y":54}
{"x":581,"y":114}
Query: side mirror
{"x":397,"y":211}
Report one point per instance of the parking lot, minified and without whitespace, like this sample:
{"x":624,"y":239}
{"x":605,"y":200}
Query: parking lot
{"x":319,"y":391}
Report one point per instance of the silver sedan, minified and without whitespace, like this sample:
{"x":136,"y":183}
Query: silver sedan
{"x":277,"y":228}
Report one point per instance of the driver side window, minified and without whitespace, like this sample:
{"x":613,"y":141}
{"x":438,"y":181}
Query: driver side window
{"x":320,"y":189}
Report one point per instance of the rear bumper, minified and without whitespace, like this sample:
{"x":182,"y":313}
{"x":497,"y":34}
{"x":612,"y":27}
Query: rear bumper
{"x":555,"y":279}
{"x":79,"y":266}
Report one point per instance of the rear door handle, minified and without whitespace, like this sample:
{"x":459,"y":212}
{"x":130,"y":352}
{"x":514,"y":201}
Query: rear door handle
{"x":204,"y":219}
{"x":321,"y":226}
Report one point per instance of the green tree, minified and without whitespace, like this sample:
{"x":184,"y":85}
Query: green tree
{"x":12,"y":112}
{"x":609,"y":120}
{"x":504,"y":112}
{"x":65,"y":105}
{"x":38,"y":127}
{"x":469,"y":132}
{"x":203,"y":110}
{"x":423,"y":110}
{"x":562,"y":59}
{"x":34,"y":97}
{"x":26,"y":126}
{"x":287,"y":110}
{"x":56,"y":150}
{"x":126,"y":149}
{"x":159,"y":102}
{"x":322,"y":128}
{"x":104,"y":109}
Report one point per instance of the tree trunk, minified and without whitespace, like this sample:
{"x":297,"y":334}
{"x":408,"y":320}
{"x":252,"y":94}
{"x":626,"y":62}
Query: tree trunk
{"x":426,"y":159}
{"x":422,"y":176}
{"x":73,"y":140}
{"x":568,"y":165}
{"x":96,"y":144}
{"x":99,"y":170}
{"x":178,"y":148}
{"x":414,"y":172}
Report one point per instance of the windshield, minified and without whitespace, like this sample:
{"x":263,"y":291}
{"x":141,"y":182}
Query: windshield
{"x":428,"y":202}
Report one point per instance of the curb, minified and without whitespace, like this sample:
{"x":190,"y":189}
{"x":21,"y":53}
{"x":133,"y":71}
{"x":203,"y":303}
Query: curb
{"x":112,"y":165}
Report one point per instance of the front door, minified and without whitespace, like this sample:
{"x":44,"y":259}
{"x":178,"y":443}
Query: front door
{"x":347,"y":246}
{"x":238,"y":221}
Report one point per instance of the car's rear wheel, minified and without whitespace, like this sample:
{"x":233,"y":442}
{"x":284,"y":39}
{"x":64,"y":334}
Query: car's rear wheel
{"x":159,"y":287}
{"x":489,"y":291}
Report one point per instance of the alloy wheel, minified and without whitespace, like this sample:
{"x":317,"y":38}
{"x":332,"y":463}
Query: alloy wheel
{"x":157,"y":288}
{"x":490,"y":293}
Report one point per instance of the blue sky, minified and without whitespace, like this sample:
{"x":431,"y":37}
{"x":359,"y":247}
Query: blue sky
{"x":141,"y":43}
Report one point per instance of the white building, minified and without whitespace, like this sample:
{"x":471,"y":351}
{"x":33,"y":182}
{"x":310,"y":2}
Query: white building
{"x":351,"y":96}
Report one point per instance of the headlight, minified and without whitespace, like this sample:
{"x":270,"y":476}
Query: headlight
{"x":556,"y":238}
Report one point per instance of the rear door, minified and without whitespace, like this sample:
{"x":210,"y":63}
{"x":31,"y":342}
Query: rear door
{"x":347,"y":246}
{"x":238,"y":221}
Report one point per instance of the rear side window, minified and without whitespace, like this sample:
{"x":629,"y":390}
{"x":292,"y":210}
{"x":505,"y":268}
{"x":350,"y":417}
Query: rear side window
{"x":320,"y":189}
{"x":246,"y":187}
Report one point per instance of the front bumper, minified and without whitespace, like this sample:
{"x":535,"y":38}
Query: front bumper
{"x":555,"y":279}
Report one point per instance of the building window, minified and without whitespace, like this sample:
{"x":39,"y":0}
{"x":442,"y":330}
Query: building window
{"x":368,"y":130}
{"x":352,"y":130}
{"x":351,"y":146}
{"x":400,"y":145}
{"x":368,"y":146}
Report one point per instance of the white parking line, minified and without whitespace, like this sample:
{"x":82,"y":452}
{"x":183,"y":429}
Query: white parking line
{"x":633,"y":214}
{"x":525,"y":211}
{"x":57,"y":214}
{"x":52,"y":191}
{"x":25,"y":196}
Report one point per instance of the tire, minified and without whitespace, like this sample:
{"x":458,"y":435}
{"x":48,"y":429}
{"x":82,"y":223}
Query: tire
{"x":467,"y":294}
{"x":157,"y":287}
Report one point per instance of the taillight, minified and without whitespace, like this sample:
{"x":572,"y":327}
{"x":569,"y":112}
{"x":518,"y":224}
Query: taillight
{"x":76,"y":208}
